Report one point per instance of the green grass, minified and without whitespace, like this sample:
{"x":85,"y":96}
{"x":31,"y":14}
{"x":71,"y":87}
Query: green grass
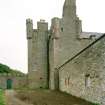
{"x":2,"y":100}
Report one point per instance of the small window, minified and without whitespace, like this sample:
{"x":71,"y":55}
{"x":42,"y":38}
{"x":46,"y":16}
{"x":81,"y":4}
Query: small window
{"x":41,"y":78}
{"x":87,"y":80}
{"x":87,"y":75}
{"x":62,"y":29}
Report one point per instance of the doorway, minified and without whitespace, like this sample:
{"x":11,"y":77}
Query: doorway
{"x":9,"y":83}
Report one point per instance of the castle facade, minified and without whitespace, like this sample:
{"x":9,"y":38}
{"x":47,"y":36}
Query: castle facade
{"x":65,"y":58}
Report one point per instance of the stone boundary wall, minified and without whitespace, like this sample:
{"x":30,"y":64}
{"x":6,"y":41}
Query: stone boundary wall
{"x":19,"y":81}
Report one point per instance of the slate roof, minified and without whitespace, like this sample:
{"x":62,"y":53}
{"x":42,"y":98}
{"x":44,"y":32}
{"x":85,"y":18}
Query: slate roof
{"x":87,"y":35}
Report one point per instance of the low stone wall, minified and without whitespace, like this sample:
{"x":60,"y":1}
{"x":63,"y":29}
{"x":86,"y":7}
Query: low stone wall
{"x":18,"y":80}
{"x":84,"y":75}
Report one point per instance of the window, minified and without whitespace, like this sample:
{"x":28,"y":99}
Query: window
{"x":62,"y":29}
{"x":87,"y":80}
{"x":41,"y":78}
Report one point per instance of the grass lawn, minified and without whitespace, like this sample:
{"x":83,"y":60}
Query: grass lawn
{"x":2,"y":100}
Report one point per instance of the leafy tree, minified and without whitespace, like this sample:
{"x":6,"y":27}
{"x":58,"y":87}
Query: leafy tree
{"x":7,"y":69}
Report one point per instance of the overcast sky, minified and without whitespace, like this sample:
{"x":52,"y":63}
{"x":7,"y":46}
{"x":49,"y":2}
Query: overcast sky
{"x":13,"y":14}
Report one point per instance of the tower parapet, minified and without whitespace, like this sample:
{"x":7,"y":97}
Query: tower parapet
{"x":55,"y":28}
{"x":42,"y":25}
{"x":69,"y":9}
{"x":29,"y":28}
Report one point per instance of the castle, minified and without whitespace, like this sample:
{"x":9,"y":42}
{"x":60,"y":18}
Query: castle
{"x":65,"y":58}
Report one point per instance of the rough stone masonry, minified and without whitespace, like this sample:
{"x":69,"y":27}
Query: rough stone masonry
{"x":66,"y":58}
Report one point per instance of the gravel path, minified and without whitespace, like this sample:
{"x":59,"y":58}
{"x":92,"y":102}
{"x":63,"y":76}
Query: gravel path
{"x":11,"y":99}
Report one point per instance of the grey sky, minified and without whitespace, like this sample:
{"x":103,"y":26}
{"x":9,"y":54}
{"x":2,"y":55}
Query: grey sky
{"x":13,"y":13}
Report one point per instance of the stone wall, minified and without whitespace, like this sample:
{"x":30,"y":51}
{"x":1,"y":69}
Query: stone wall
{"x":84,"y":74}
{"x":18,"y":81}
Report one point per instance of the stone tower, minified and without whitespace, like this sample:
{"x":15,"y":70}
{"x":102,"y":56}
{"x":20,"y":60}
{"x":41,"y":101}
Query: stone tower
{"x":64,"y":32}
{"x":37,"y":54}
